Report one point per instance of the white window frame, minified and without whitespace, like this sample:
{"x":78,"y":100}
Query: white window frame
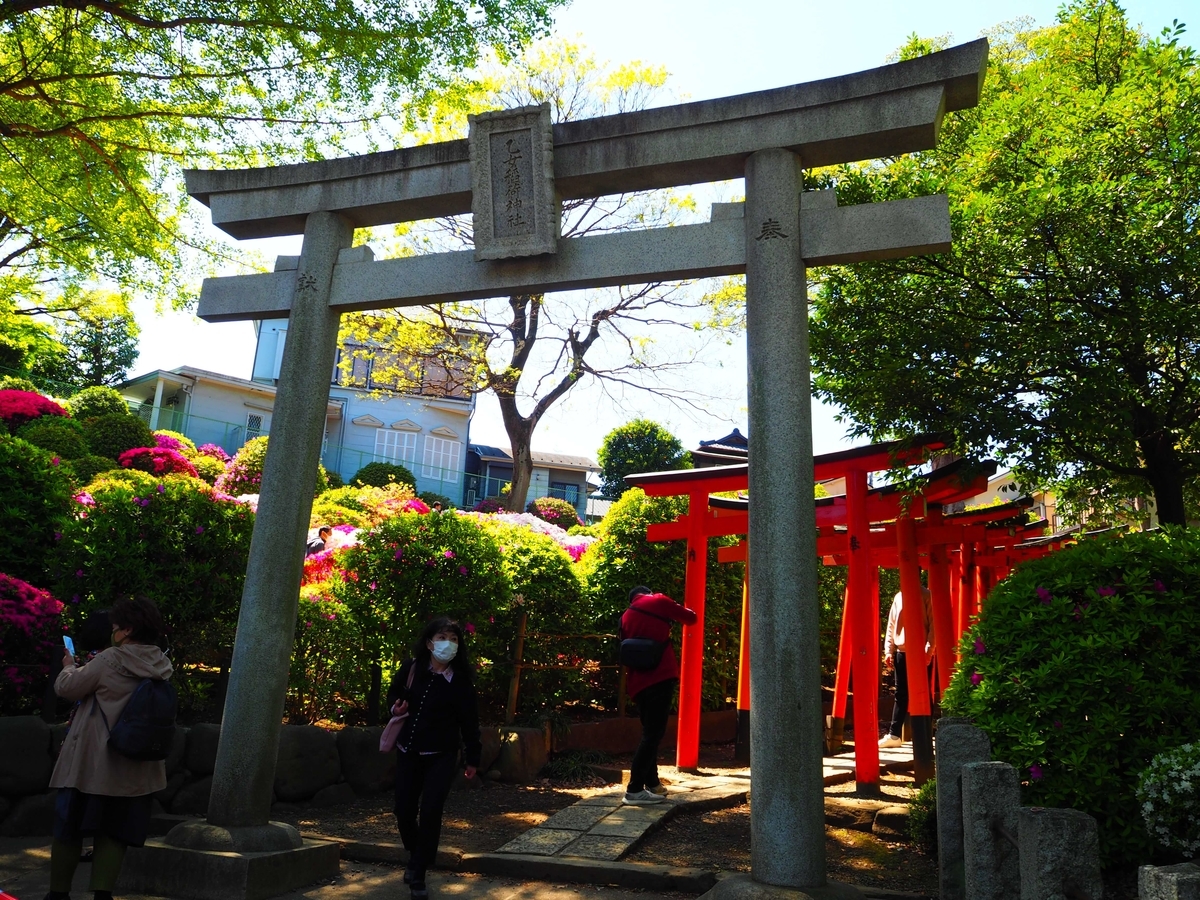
{"x":440,"y":459}
{"x":252,"y":430}
{"x":396,"y":446}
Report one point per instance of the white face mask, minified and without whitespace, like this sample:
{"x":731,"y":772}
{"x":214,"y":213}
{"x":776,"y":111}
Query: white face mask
{"x":444,"y":651}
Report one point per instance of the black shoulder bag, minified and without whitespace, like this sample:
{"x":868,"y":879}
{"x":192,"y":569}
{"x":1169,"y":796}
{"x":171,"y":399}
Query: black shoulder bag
{"x":641,"y":654}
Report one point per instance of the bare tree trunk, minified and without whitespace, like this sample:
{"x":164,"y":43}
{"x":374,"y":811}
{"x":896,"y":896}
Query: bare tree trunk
{"x":520,"y":437}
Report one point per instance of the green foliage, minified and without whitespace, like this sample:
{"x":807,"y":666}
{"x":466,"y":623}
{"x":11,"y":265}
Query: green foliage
{"x":1059,"y":332}
{"x":30,"y":643}
{"x":17,"y":383}
{"x":638,"y":446}
{"x":86,"y":468}
{"x":208,"y":469}
{"x":95,"y":349}
{"x":243,"y":475}
{"x":167,"y":538}
{"x":97,"y":401}
{"x":381,"y":474}
{"x":1169,"y":791}
{"x":624,"y":558}
{"x":553,"y":510}
{"x":922,"y":818}
{"x":586,"y":530}
{"x":111,"y":434}
{"x":35,"y":499}
{"x":575,"y":766}
{"x":60,"y":436}
{"x":413,"y":567}
{"x":327,"y":511}
{"x":324,"y":681}
{"x":334,"y":479}
{"x":1083,"y":667}
{"x":431,"y":497}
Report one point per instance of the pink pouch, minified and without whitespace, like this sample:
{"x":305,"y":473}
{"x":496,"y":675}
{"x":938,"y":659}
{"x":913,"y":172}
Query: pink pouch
{"x":391,"y":733}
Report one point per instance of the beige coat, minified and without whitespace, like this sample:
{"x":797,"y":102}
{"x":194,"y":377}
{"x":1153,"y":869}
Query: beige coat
{"x":85,"y":761}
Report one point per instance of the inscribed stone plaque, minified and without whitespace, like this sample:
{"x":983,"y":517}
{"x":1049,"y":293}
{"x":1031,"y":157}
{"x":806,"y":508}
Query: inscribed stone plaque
{"x":512,"y":183}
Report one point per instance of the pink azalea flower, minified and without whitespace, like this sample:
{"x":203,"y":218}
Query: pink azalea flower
{"x":469,"y":628}
{"x":979,"y":647}
{"x":1036,"y":773}
{"x":976,"y":678}
{"x":1106,"y":591}
{"x":199,"y":529}
{"x":1159,"y":586}
{"x":462,"y":570}
{"x":1044,"y":595}
{"x":54,"y":461}
{"x":449,"y":554}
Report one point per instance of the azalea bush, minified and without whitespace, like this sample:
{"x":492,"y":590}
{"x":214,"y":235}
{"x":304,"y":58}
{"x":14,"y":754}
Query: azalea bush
{"x":1169,"y":791}
{"x":61,"y":436}
{"x":112,"y":434}
{"x":86,"y":468}
{"x":1083,"y":667}
{"x":216,"y":451}
{"x":19,"y":407}
{"x":96,"y":401}
{"x":414,"y":567}
{"x":173,"y":440}
{"x":623,"y":558}
{"x":326,"y":680}
{"x":381,"y":474}
{"x":555,"y":511}
{"x":488,"y":505}
{"x":326,"y":511}
{"x":244,"y":473}
{"x":35,"y":496}
{"x":31,"y":632}
{"x":208,"y":468}
{"x":156,"y":461}
{"x":171,"y":538}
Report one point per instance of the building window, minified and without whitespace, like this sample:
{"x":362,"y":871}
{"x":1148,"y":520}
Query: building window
{"x":441,"y":459}
{"x":254,"y":425}
{"x":395,"y":446}
{"x":565,"y":491}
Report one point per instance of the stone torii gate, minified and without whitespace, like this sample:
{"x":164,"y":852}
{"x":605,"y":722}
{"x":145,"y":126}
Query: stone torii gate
{"x":511,"y":174}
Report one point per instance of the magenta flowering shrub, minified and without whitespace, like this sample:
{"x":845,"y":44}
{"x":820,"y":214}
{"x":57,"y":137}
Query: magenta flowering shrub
{"x":157,"y":461}
{"x":555,"y":511}
{"x":31,"y":632}
{"x":488,"y":505}
{"x":19,"y":407}
{"x":173,"y":440}
{"x":1083,"y":667}
{"x":216,"y":451}
{"x":243,"y":475}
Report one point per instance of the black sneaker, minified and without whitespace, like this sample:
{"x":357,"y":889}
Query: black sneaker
{"x":418,"y":891}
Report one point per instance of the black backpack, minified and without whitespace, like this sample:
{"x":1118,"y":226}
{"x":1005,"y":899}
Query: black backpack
{"x":640,"y":654}
{"x":145,"y":729}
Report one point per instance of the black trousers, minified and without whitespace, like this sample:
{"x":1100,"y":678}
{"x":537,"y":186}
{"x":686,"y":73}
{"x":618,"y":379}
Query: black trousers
{"x":654,"y":705}
{"x":422,"y":785}
{"x":900,"y":710}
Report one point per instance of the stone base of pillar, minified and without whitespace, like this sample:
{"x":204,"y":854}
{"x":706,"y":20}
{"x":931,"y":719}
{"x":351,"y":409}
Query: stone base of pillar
{"x":743,"y":887}
{"x":164,"y":868}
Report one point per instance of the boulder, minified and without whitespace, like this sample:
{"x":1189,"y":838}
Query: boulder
{"x":522,"y":754}
{"x":334,"y":795}
{"x":30,"y":816}
{"x":366,"y":769}
{"x":5,"y":806}
{"x":25,"y":764}
{"x":200,"y":755}
{"x":174,"y":784}
{"x":193,"y":797}
{"x":891,"y":823}
{"x":308,"y":761}
{"x":489,"y":737}
{"x":178,"y":748}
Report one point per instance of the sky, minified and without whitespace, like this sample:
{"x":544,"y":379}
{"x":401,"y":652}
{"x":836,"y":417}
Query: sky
{"x":711,"y":49}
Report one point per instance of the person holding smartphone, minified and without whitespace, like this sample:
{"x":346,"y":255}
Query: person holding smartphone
{"x":435,"y":692}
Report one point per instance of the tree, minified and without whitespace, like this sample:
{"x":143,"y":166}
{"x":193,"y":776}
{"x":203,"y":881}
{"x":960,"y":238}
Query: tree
{"x":101,"y":103}
{"x":96,"y":351}
{"x":638,"y":446}
{"x":527,"y":351}
{"x":1062,"y":331}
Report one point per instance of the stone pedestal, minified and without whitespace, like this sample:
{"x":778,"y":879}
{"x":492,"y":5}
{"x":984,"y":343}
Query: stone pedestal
{"x":743,"y":887}
{"x":958,"y":743}
{"x":1060,"y":853}
{"x":991,"y":795}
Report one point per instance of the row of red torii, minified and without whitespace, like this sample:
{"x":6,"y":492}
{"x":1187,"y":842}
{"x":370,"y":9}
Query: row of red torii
{"x":865,"y":529}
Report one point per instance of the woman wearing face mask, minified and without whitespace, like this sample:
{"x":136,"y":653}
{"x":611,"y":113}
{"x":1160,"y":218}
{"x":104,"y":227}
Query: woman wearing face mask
{"x":436,"y":689}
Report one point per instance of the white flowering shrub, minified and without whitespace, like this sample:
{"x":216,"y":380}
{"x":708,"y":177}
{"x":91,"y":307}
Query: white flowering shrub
{"x":1169,"y":792}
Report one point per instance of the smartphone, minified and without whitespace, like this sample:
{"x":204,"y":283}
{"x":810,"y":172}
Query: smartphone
{"x":69,"y":644}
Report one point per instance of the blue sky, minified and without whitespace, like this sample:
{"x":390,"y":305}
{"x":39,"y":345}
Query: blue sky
{"x":710,"y":49}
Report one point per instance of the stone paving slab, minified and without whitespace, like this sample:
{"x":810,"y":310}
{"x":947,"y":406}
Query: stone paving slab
{"x":578,"y":817}
{"x":613,"y":799}
{"x":596,"y":846}
{"x":540,"y":841}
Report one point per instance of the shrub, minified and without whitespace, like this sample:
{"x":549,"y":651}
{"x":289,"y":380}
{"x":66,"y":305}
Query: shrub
{"x":113,"y":433}
{"x":585,"y":530}
{"x":156,"y":461}
{"x":381,"y":474}
{"x":208,"y":468}
{"x":86,"y":468}
{"x":1082,"y":668}
{"x":922,"y":818}
{"x":431,"y":497}
{"x":553,"y":510}
{"x":244,"y":473}
{"x":60,"y":436}
{"x":384,"y":502}
{"x":30,"y":634}
{"x":216,"y":451}
{"x":348,"y":497}
{"x":169,"y":538}
{"x":624,"y":558}
{"x":412,"y":568}
{"x":19,"y":407}
{"x":17,"y":383}
{"x":1169,"y":791}
{"x":334,"y":479}
{"x":93,"y":402}
{"x":173,"y":440}
{"x":325,"y":683}
{"x":327,"y":512}
{"x":35,"y":495}
{"x":489,"y":505}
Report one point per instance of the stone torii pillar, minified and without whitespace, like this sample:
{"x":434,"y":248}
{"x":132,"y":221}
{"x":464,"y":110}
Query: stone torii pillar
{"x":511,"y":174}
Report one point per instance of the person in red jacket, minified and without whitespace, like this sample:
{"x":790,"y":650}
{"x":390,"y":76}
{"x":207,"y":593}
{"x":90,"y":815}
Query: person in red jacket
{"x":650,"y":616}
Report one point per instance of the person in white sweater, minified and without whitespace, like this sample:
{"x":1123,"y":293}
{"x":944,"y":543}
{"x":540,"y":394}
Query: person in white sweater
{"x":895,"y":658}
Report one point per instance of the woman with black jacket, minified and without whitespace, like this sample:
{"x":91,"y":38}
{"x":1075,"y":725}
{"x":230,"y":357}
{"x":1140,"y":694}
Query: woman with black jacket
{"x":437,"y":692}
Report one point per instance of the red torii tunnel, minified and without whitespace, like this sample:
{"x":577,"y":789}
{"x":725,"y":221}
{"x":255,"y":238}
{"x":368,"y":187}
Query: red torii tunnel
{"x":863,"y":529}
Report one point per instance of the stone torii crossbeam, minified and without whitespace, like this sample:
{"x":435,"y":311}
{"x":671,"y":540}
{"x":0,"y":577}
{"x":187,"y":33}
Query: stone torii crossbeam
{"x":512,"y":174}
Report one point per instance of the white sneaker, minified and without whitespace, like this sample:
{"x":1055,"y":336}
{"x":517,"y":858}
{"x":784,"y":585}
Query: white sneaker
{"x":642,"y":798}
{"x":890,"y":740}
